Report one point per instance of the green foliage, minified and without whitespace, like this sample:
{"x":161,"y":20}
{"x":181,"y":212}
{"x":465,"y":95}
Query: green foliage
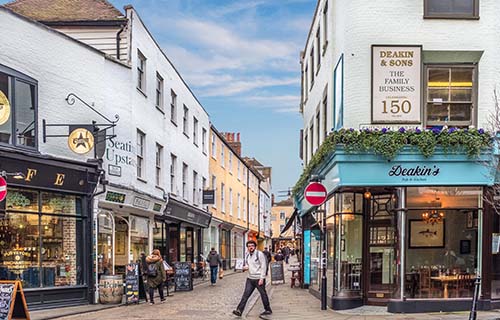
{"x":388,"y":144}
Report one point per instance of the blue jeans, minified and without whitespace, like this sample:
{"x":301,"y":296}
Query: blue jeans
{"x":213,"y":274}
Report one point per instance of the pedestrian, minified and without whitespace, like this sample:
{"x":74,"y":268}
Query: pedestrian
{"x":256,"y":264}
{"x":286,"y":253}
{"x":268,"y":258}
{"x":143,"y":268}
{"x":214,"y":261}
{"x":279,"y":256}
{"x":156,"y":275}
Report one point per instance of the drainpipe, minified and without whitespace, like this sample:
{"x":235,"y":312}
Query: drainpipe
{"x":118,"y":39}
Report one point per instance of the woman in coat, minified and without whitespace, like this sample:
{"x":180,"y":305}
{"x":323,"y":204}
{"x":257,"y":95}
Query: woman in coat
{"x":156,"y":275}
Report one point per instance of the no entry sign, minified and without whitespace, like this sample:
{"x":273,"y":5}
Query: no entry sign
{"x":3,"y":189}
{"x":315,"y":193}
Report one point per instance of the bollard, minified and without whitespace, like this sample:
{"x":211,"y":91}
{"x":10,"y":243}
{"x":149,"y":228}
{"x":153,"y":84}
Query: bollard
{"x":473,"y":310}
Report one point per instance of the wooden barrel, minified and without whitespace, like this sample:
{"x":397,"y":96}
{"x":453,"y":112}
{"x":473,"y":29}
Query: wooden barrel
{"x":111,"y":289}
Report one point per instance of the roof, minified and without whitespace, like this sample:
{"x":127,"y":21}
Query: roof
{"x":66,"y":10}
{"x":284,"y":203}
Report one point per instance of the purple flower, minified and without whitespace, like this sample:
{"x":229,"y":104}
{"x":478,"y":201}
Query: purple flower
{"x":418,"y":131}
{"x":402,"y":130}
{"x":436,"y":130}
{"x":481,"y":131}
{"x":351,"y":129}
{"x":452,"y":129}
{"x":367,"y":130}
{"x":384,"y":130}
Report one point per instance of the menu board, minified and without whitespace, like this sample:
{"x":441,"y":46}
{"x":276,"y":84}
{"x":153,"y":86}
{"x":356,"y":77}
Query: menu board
{"x":239,"y":264}
{"x":132,"y":283}
{"x":183,"y":277}
{"x":12,"y":302}
{"x":277,"y":273}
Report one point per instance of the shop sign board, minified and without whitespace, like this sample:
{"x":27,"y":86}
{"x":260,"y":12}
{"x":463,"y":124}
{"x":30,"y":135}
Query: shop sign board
{"x":396,"y":84}
{"x":183,"y":277}
{"x":132,"y":283}
{"x":277,"y":273}
{"x":315,"y":193}
{"x":80,"y":140}
{"x":3,"y":189}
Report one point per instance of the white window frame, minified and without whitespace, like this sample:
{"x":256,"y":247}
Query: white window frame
{"x":195,"y":131}
{"x":141,"y":154}
{"x":231,"y":201}
{"x":173,"y":106}
{"x":185,"y":121}
{"x":185,"y":174}
{"x":239,"y":205}
{"x":214,"y":146}
{"x":195,"y":188}
{"x":141,"y":71}
{"x":214,"y":188}
{"x":159,"y":92}
{"x":222,"y":198}
{"x":230,"y":164}
{"x":158,"y":162}
{"x":173,"y":169}
{"x":222,"y":162}
{"x":204,"y":140}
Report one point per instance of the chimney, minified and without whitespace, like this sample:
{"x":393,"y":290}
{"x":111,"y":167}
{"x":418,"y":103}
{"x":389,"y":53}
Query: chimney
{"x":233,"y":139}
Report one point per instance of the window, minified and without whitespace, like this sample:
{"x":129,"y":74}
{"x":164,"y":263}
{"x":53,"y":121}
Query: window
{"x":306,"y":149}
{"x":159,"y":92}
{"x":222,"y":155}
{"x":195,"y":131}
{"x":282,"y":215}
{"x":159,"y":159}
{"x":239,"y":171}
{"x":230,"y":162}
{"x":141,"y":72}
{"x":239,"y":206}
{"x":318,"y":129}
{"x":230,"y":201}
{"x":311,"y":57}
{"x":311,"y":135}
{"x":204,"y":140}
{"x":325,"y":27}
{"x":173,"y":169}
{"x":222,"y":198}
{"x":173,"y":107}
{"x":282,"y":226}
{"x":214,"y":187}
{"x":141,"y":152}
{"x":195,"y":188}
{"x":20,"y":93}
{"x":451,"y":9}
{"x":306,"y":83}
{"x":244,"y":209}
{"x":318,"y":49}
{"x":450,"y":95}
{"x":213,"y":145}
{"x":325,"y":115}
{"x":184,"y":181}
{"x":185,"y":124}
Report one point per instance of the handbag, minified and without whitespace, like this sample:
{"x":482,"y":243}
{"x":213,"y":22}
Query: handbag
{"x":221,"y":274}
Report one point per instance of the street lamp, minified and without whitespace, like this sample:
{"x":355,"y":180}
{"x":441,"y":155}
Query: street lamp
{"x":15,"y":175}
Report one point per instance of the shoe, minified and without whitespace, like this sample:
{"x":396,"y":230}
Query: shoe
{"x":151,"y":303}
{"x":266,"y":312}
{"x":163,"y":300}
{"x":237,"y":313}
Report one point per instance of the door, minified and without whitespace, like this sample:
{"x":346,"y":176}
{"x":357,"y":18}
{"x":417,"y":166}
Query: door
{"x":380,"y":261}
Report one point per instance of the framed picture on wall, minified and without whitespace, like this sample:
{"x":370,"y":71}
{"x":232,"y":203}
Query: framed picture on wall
{"x":469,"y":219}
{"x":465,"y":246}
{"x":426,"y":235}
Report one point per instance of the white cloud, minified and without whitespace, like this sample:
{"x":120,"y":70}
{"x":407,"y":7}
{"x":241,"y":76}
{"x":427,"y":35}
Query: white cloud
{"x":239,"y":86}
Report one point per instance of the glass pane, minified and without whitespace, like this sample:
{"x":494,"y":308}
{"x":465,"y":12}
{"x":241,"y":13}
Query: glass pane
{"x":351,"y":252}
{"x":435,"y":94}
{"x":462,"y":94}
{"x":105,"y":245}
{"x":315,"y":257}
{"x":60,"y":203}
{"x":437,"y":112}
{"x":448,"y":7}
{"x":183,"y":245}
{"x":19,"y":247}
{"x":445,"y":197}
{"x":461,"y":77}
{"x":139,"y":237}
{"x":439,"y":77}
{"x":382,"y":268}
{"x":22,"y":200}
{"x":62,"y":259}
{"x":173,"y":244}
{"x":6,"y":128}
{"x":25,"y":114}
{"x":460,"y":112}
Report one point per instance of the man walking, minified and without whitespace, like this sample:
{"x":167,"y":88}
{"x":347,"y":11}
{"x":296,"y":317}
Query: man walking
{"x":214,"y":261}
{"x":256,"y":263}
{"x":268,"y":259}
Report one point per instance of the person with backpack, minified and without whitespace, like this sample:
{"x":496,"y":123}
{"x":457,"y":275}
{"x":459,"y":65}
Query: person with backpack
{"x":214,"y":261}
{"x":256,"y":264}
{"x":268,"y":259}
{"x":156,"y":275}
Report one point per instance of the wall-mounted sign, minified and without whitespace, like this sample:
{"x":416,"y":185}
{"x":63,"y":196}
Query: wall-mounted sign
{"x":117,"y":197}
{"x":141,"y":203}
{"x":81,"y":140}
{"x":157,"y":207}
{"x":4,"y":108}
{"x":114,"y":170}
{"x":396,"y":84}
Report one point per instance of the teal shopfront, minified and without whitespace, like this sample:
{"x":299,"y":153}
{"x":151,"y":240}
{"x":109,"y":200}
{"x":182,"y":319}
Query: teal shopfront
{"x":412,"y":233}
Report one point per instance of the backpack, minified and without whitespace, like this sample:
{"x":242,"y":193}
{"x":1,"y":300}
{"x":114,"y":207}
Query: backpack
{"x":152,"y":270}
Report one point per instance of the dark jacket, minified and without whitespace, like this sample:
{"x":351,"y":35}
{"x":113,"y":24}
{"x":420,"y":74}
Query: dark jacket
{"x":213,"y":259}
{"x":279,"y":257}
{"x":268,"y":256}
{"x":161,"y":276}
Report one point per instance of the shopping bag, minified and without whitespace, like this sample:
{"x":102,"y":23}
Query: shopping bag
{"x":221,"y":274}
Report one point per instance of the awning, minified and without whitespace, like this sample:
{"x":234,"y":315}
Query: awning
{"x":290,"y":221}
{"x":181,"y":211}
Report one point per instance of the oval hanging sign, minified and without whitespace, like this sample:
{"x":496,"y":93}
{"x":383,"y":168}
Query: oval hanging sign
{"x":81,"y":140}
{"x":4,"y":108}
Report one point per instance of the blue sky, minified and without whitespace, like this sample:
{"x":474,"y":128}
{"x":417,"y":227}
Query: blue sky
{"x":241,"y":59}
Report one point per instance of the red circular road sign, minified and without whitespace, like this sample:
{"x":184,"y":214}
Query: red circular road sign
{"x":315,"y":193}
{"x":3,"y":189}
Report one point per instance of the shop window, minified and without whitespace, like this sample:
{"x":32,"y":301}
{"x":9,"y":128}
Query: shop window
{"x":139,"y":236}
{"x":451,"y":9}
{"x":450,"y":96}
{"x":42,"y":248}
{"x":18,"y":104}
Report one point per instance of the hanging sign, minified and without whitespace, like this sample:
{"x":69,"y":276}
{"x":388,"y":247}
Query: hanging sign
{"x":81,"y":140}
{"x":396,"y":82}
{"x":3,"y":189}
{"x":4,"y":108}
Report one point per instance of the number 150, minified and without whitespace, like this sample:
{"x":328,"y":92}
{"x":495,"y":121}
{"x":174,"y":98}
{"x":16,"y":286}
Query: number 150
{"x":396,"y":107}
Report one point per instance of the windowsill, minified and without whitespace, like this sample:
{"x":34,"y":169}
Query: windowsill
{"x":186,"y":135}
{"x":142,"y":180}
{"x":458,"y":17}
{"x":160,"y":109}
{"x":214,"y":157}
{"x":142,"y":92}
{"x":173,"y":122}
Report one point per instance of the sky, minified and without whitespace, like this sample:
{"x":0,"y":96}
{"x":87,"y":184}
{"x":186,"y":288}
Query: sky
{"x":241,"y":59}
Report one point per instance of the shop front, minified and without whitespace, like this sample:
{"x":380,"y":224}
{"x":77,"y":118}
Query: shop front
{"x":237,"y":244}
{"x":412,"y":234}
{"x":46,"y":228}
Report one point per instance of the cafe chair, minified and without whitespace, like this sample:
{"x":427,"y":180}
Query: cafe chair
{"x":464,"y":287}
{"x":426,"y":288}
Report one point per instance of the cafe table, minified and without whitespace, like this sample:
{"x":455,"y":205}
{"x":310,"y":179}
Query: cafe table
{"x":446,"y":280}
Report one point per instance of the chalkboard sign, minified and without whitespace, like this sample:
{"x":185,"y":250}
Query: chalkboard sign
{"x":239,"y":264}
{"x":277,"y":273}
{"x":132,"y":283}
{"x":12,"y":302}
{"x":183,"y":277}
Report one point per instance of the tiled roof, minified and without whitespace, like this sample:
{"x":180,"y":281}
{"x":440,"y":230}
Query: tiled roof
{"x":66,"y":10}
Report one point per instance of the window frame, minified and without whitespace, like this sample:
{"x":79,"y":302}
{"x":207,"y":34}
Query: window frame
{"x":204,"y":141}
{"x":173,"y":107}
{"x":173,"y":169}
{"x":185,"y":174}
{"x":214,"y":187}
{"x":141,"y":157}
{"x":325,"y":28}
{"x":324,"y":106}
{"x":474,"y":94}
{"x":158,"y":164}
{"x":159,"y":94}
{"x":195,"y":131}
{"x":141,"y":72}
{"x":195,"y":188}
{"x":318,"y":48}
{"x":185,"y":121}
{"x":222,"y":198}
{"x":473,"y":16}
{"x":311,"y":57}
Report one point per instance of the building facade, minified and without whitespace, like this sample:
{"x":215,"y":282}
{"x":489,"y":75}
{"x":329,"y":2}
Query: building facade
{"x":412,"y":233}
